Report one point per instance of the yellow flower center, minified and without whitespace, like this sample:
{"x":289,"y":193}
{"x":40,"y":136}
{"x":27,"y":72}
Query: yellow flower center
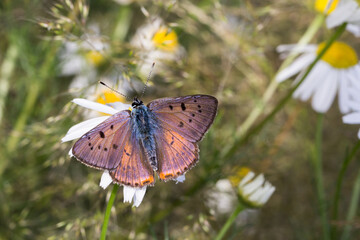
{"x":339,"y":55}
{"x":166,"y":39}
{"x":95,"y":57}
{"x":320,"y":6}
{"x":240,"y":173}
{"x":109,"y":97}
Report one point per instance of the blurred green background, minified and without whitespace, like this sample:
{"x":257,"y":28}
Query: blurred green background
{"x":227,"y":50}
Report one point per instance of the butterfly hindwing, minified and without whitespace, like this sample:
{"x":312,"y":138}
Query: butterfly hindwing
{"x":189,"y":116}
{"x":133,"y":170}
{"x":102,"y":147}
{"x":176,"y":155}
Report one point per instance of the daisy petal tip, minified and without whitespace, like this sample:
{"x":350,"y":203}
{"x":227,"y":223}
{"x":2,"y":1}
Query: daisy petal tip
{"x":180,"y":179}
{"x":129,"y":193}
{"x":106,"y":180}
{"x":70,"y":153}
{"x":139,"y":196}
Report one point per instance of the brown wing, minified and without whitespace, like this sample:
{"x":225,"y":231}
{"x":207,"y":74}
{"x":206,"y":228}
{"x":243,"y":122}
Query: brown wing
{"x":176,"y":155}
{"x":133,"y":170}
{"x":103,"y":146}
{"x":189,"y":116}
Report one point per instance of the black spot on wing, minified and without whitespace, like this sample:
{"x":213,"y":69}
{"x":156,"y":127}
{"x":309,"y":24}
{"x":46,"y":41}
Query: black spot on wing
{"x":183,"y":106}
{"x":102,"y":135}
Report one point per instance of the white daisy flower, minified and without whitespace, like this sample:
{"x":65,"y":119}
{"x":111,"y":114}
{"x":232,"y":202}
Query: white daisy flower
{"x":156,"y":43}
{"x":346,"y":11}
{"x":338,"y":71}
{"x":255,"y":191}
{"x":80,"y":58}
{"x":353,"y":118}
{"x":222,"y":199}
{"x":130,"y":194}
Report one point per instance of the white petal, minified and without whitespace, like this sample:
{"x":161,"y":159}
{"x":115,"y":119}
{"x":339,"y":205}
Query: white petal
{"x":325,"y":94}
{"x":295,"y":67}
{"x":354,"y":29}
{"x":72,"y":65}
{"x":106,"y":179}
{"x":291,"y":47}
{"x":267,"y":194}
{"x":353,"y":74}
{"x":139,"y":196}
{"x":119,"y":106}
{"x":129,"y":193}
{"x":253,"y":185}
{"x":355,"y":17}
{"x":312,"y":81}
{"x":80,"y":129}
{"x":354,"y":105}
{"x":344,"y":94}
{"x":94,"y":106}
{"x":180,"y":179}
{"x":256,"y":196}
{"x":247,"y":178}
{"x":93,"y":122}
{"x":359,"y":134}
{"x":70,"y":153}
{"x":354,"y":94}
{"x":341,"y":14}
{"x":352,"y":118}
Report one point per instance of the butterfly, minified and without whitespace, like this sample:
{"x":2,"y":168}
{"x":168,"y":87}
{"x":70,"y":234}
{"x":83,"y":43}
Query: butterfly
{"x":161,"y":137}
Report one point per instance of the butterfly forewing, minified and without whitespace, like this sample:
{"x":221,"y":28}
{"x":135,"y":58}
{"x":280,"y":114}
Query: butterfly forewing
{"x":133,"y":170}
{"x":190,"y":116}
{"x":103,"y":146}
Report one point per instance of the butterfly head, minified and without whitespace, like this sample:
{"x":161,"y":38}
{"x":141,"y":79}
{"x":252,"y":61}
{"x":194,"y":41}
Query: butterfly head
{"x":137,"y":102}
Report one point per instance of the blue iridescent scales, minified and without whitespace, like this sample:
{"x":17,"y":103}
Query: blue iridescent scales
{"x":161,"y":137}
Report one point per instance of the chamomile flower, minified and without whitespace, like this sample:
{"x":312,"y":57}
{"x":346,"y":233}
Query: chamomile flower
{"x":156,"y":43}
{"x":130,"y":194}
{"x":353,"y":118}
{"x":255,"y":191}
{"x":221,"y":199}
{"x":337,"y":72}
{"x":82,"y":58}
{"x":345,"y":11}
{"x":341,"y":11}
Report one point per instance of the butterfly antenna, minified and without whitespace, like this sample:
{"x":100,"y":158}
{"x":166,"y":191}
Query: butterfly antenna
{"x":147,"y":80}
{"x":114,"y":90}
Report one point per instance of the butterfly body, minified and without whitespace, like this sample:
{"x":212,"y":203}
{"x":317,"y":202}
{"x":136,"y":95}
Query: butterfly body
{"x":144,"y":125}
{"x":161,"y":137}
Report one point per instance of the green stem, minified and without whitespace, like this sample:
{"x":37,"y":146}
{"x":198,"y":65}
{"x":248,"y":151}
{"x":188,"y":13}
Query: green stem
{"x":32,"y":95}
{"x":339,"y":181}
{"x":6,"y":70}
{"x":352,"y":209}
{"x":108,"y":211}
{"x":229,"y":222}
{"x":319,"y":176}
{"x":269,"y":92}
{"x":231,"y":151}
